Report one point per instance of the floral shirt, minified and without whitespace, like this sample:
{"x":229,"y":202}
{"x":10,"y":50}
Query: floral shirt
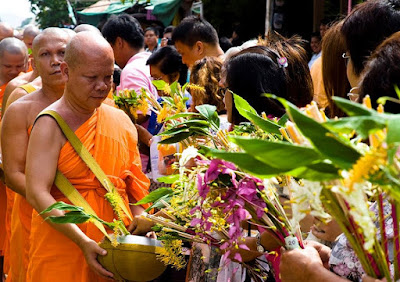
{"x":343,"y":260}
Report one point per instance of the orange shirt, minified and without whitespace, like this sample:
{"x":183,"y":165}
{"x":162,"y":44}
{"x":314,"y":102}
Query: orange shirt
{"x":111,"y":138}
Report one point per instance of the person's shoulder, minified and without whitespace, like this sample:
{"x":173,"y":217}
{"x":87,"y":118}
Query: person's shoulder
{"x":114,"y":113}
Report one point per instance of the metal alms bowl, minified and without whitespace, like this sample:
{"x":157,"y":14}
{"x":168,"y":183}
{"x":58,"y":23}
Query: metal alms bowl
{"x":134,"y":259}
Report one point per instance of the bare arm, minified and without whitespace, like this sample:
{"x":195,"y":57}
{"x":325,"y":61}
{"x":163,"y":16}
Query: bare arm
{"x":14,"y":96}
{"x":41,"y":164}
{"x":14,"y":143}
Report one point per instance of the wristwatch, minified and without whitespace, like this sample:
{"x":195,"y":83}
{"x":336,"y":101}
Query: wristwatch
{"x":260,"y":248}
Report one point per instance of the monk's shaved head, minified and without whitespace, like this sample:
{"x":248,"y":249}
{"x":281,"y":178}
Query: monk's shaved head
{"x":6,"y":30}
{"x":84,"y":45}
{"x":86,"y":27}
{"x":51,"y":33}
{"x":31,"y":31}
{"x":13,"y":46}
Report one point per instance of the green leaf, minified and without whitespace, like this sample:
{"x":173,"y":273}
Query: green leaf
{"x":397,"y":90}
{"x":320,"y":171}
{"x":242,"y":105}
{"x":207,"y":111}
{"x":76,"y":217}
{"x":159,"y":84}
{"x":62,"y":207}
{"x":176,"y":138}
{"x":180,"y":115}
{"x":155,"y":196}
{"x":325,"y":141}
{"x":282,"y":121}
{"x":174,"y":130}
{"x":264,"y":124}
{"x":246,"y":162}
{"x":169,"y":179}
{"x":352,"y":108}
{"x":174,"y":88}
{"x":158,"y":204}
{"x":282,"y":155}
{"x":393,"y":130}
{"x":363,"y":125}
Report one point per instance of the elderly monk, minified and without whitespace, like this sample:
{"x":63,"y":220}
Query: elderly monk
{"x":6,"y":30}
{"x":110,"y":137}
{"x":48,"y":53}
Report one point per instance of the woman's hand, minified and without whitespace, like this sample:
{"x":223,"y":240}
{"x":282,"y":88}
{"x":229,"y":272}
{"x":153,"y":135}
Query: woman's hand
{"x":140,"y":225}
{"x":91,"y":250}
{"x":323,"y":251}
{"x":298,"y":264}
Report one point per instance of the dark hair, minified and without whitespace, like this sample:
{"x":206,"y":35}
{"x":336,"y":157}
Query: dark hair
{"x":169,"y":61}
{"x":126,"y":27}
{"x":225,"y":43}
{"x":193,"y":29}
{"x":207,"y":73}
{"x":382,"y":73}
{"x":367,"y":26}
{"x":156,"y":32}
{"x":316,"y":35}
{"x":325,"y":21}
{"x":298,"y":78}
{"x":334,"y":68}
{"x":253,"y":72}
{"x":169,"y":28}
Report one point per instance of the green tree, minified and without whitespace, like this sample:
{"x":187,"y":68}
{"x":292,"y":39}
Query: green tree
{"x":50,"y":12}
{"x":54,"y":12}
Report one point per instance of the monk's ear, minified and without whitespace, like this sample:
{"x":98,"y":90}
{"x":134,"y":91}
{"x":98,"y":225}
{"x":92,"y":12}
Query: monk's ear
{"x":199,"y":48}
{"x":33,"y":63}
{"x":64,"y":69}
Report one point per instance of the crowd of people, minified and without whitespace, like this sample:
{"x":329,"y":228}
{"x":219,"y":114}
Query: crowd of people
{"x":72,"y":74}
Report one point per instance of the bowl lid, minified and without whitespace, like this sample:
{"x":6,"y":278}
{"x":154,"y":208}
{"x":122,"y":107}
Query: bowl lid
{"x":140,"y":240}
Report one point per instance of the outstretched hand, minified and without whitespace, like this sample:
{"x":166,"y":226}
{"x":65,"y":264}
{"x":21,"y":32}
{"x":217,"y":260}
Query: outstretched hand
{"x":91,"y":250}
{"x":140,"y":225}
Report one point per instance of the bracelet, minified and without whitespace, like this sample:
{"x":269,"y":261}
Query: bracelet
{"x":260,"y":248}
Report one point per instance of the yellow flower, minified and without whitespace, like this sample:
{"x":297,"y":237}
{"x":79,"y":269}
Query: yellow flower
{"x":143,"y":106}
{"x":167,"y":89}
{"x":171,"y":254}
{"x":163,"y":114}
{"x":365,"y":165}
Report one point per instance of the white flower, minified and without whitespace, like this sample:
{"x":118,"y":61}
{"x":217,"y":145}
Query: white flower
{"x":188,"y":154}
{"x":359,"y":209}
{"x":305,"y":200}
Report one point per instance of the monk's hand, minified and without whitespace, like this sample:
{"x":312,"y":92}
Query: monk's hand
{"x":299,"y":264}
{"x":91,"y":250}
{"x":140,"y":225}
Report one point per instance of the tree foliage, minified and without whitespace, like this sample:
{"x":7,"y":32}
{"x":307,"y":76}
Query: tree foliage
{"x":54,"y":12}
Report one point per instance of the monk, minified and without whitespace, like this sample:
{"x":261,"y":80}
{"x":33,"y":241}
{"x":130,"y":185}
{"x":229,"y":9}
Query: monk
{"x":6,"y":30}
{"x":48,"y":53}
{"x":110,"y":137}
{"x":29,"y":34}
{"x":13,"y":59}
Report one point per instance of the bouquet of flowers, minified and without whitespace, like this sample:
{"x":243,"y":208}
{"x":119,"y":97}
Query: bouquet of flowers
{"x":337,"y":169}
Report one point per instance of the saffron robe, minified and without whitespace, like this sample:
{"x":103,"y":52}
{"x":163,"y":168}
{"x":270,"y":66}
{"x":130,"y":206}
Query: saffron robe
{"x":111,"y":138}
{"x":19,"y":216}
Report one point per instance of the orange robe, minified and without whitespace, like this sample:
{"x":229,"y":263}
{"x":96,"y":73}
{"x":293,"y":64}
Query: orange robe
{"x":20,"y":216}
{"x":3,"y":197}
{"x":112,"y":140}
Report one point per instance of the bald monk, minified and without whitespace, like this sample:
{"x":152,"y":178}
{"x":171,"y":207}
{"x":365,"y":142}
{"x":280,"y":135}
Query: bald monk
{"x":69,"y":251}
{"x":6,"y":30}
{"x":48,"y":53}
{"x":86,"y":27}
{"x":30,"y":32}
{"x":13,"y":60}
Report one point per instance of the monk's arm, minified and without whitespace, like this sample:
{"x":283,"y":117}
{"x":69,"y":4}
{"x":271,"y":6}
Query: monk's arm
{"x":7,"y":92}
{"x":14,"y":143}
{"x":14,"y":96}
